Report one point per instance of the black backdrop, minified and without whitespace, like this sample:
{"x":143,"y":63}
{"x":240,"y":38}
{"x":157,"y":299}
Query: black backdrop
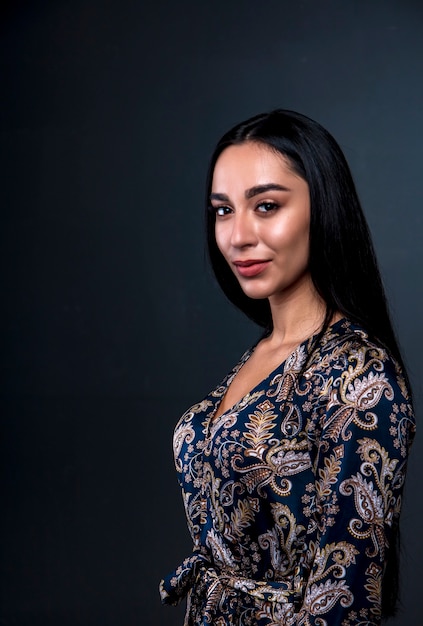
{"x":112,"y":323}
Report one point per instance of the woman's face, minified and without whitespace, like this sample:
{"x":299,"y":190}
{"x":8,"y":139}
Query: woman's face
{"x":262,"y":221}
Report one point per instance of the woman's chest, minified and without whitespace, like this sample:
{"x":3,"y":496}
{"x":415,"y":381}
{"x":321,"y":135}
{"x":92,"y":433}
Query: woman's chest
{"x":262,"y":442}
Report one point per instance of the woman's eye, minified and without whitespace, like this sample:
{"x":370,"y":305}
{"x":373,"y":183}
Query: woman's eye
{"x":222,"y":210}
{"x":266,"y":207}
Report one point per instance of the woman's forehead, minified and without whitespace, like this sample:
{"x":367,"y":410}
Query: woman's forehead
{"x":251,"y":163}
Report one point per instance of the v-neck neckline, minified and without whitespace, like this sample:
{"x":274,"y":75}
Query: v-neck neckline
{"x":213,"y":417}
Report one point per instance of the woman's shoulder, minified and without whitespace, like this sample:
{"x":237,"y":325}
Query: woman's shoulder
{"x":347,"y":340}
{"x":346,"y":332}
{"x":347,"y":357}
{"x":357,"y":384}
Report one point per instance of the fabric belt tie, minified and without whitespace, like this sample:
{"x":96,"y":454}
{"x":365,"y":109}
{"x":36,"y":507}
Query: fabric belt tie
{"x":197,"y":570}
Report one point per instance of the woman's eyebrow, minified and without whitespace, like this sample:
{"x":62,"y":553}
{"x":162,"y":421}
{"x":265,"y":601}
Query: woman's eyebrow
{"x":222,"y":197}
{"x":256,"y":190}
{"x":253,"y":191}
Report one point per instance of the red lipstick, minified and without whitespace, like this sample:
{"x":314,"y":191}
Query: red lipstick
{"x":251,"y":267}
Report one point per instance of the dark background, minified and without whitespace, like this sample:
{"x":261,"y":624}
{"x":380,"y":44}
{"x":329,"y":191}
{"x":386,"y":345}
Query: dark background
{"x":112,"y":323}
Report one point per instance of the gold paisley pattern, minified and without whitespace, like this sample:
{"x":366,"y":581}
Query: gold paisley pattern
{"x":291,"y":496}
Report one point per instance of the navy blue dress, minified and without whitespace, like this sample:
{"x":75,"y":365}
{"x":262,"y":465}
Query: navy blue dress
{"x":292,"y":495}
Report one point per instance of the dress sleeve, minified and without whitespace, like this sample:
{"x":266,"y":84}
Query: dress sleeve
{"x":361,"y":434}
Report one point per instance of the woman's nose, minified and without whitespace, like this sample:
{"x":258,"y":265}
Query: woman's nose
{"x":243,"y":232}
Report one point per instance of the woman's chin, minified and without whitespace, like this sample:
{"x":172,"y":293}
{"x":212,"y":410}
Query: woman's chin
{"x":256,"y":294}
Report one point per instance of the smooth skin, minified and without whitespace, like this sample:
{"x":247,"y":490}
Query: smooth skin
{"x":262,"y":229}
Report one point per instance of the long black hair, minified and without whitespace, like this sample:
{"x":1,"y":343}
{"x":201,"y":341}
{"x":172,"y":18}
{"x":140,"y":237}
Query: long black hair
{"x":342,"y":261}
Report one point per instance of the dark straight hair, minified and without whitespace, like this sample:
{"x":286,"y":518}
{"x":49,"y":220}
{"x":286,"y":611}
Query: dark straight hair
{"x":342,"y":261}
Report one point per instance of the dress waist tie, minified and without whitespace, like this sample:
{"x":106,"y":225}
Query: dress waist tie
{"x":196,"y":570}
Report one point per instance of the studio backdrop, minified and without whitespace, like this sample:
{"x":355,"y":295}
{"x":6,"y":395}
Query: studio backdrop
{"x":112,"y":322}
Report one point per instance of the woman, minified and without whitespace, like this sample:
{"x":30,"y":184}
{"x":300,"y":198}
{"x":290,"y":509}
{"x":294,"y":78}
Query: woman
{"x":292,"y":469}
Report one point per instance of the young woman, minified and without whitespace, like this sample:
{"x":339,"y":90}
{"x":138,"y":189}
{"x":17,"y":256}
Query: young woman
{"x":292,"y":469}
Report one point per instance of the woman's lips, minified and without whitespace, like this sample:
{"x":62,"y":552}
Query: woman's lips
{"x":251,"y":267}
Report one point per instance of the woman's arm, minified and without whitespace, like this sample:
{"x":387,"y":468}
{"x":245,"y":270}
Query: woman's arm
{"x":361,"y":444}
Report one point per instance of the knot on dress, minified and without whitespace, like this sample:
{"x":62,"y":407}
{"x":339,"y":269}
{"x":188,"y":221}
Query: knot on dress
{"x":205,"y":579}
{"x":174,"y":587}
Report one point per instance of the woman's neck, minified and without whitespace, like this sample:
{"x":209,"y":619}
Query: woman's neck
{"x":296,"y":316}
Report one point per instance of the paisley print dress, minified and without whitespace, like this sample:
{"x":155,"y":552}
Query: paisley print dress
{"x":292,"y":495}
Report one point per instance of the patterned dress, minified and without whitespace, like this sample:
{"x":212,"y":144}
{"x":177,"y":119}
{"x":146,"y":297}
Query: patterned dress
{"x":292,"y":494}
